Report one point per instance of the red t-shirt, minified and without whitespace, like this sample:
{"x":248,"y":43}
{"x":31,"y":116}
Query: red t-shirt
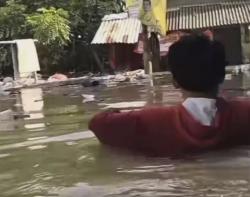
{"x":171,"y":131}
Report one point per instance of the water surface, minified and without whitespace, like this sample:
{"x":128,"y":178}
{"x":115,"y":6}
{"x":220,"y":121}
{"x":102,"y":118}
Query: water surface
{"x":52,"y":153}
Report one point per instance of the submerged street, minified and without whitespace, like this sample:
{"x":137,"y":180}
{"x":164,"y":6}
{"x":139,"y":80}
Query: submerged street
{"x":52,"y":153}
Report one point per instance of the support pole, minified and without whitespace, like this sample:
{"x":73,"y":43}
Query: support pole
{"x":146,"y":50}
{"x":155,"y":52}
{"x":36,"y":77}
{"x":15,"y":62}
{"x":147,"y":55}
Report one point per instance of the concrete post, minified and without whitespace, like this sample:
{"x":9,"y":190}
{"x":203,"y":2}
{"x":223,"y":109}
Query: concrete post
{"x":15,"y":61}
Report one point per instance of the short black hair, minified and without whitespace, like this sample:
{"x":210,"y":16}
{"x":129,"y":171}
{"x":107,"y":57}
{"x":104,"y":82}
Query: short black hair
{"x":197,"y":63}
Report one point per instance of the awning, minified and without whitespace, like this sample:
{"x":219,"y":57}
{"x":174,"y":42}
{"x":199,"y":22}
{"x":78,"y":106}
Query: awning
{"x":113,"y":31}
{"x":209,"y":15}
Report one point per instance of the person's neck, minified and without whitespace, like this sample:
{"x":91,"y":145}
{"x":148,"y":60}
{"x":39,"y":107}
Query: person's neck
{"x":191,"y":94}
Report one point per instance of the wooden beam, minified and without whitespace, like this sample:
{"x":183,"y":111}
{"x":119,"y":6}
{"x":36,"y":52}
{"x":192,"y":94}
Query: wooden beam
{"x":7,"y":42}
{"x":12,"y":42}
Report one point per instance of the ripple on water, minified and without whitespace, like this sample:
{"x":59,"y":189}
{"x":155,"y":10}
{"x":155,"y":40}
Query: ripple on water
{"x":38,"y":147}
{"x":4,"y":155}
{"x":69,"y":167}
{"x":154,"y":187}
{"x":63,"y":138}
{"x":147,"y":169}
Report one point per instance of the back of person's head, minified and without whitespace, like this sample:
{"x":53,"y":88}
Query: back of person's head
{"x":197,"y":63}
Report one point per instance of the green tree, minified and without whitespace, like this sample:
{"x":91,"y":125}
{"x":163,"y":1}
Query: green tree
{"x":12,"y":26}
{"x":86,"y":16}
{"x":50,"y":26}
{"x":12,"y":20}
{"x":64,"y":27}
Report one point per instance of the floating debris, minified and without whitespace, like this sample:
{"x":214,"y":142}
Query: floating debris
{"x":90,"y":83}
{"x":88,"y":98}
{"x":124,"y":105}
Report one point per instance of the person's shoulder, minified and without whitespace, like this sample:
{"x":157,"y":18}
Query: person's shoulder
{"x":239,"y":102}
{"x":159,"y":111}
{"x":238,"y":105}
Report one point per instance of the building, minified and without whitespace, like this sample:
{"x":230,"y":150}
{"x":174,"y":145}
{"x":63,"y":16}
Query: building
{"x":120,"y":34}
{"x":227,"y":20}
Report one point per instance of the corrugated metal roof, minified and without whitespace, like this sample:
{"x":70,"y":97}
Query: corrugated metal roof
{"x":118,"y":31}
{"x":119,"y":16}
{"x":209,"y":15}
{"x":181,"y":3}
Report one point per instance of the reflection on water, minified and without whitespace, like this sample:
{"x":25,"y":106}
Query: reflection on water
{"x":32,"y":100}
{"x":32,"y":103}
{"x":51,"y":153}
{"x":7,"y":121}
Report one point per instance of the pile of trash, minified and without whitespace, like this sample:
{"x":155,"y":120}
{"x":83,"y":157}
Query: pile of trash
{"x":9,"y":83}
{"x":57,"y":77}
{"x":131,"y":76}
{"x":92,"y":80}
{"x":6,"y":84}
{"x":110,"y":80}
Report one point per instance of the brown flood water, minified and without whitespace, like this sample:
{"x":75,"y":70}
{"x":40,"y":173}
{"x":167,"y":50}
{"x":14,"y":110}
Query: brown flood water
{"x":52,"y":153}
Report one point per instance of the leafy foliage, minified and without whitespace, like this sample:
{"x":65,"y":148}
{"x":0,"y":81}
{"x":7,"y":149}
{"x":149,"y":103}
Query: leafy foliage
{"x":64,"y":27}
{"x":50,"y":26}
{"x":86,"y":16}
{"x":12,"y":20}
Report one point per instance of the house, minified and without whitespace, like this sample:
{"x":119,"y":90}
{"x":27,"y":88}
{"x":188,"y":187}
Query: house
{"x":120,"y":34}
{"x":226,"y":20}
